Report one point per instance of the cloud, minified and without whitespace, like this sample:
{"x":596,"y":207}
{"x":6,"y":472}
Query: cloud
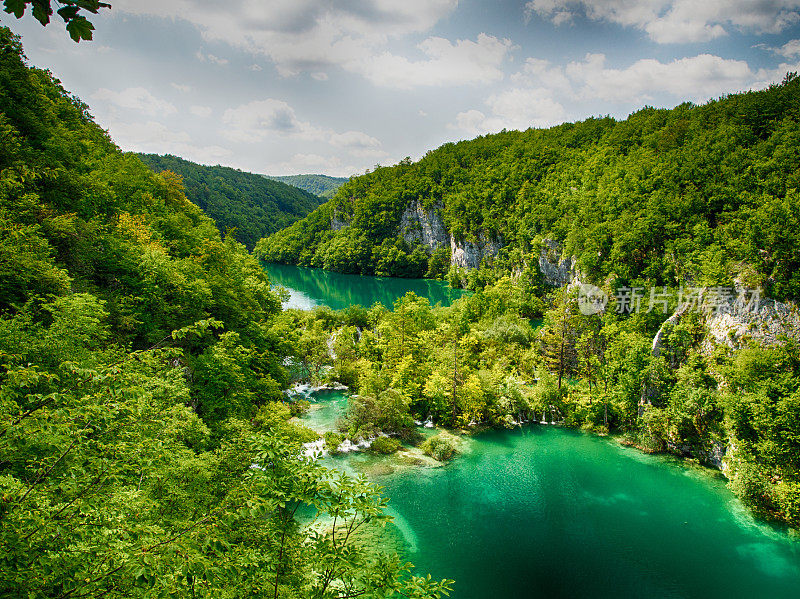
{"x":459,"y":63}
{"x":157,"y":138}
{"x":540,"y":88}
{"x":790,"y":49}
{"x":135,"y":98}
{"x":259,"y":119}
{"x":264,"y":119}
{"x":300,"y":35}
{"x":676,"y":21}
{"x":697,"y":78}
{"x":211,"y":58}
{"x":184,"y":89}
{"x":201,"y":111}
{"x":516,"y":108}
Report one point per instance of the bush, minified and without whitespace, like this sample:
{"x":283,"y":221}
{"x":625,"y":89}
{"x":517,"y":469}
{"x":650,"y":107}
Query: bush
{"x":385,"y":445}
{"x":440,"y":447}
{"x":299,"y":407}
{"x":332,"y":441}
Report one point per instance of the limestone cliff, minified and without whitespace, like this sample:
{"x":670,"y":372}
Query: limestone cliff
{"x":425,"y":226}
{"x":556,"y":269}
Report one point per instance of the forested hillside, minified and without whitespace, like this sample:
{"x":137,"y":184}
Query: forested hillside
{"x":319,"y":185}
{"x":250,"y":205}
{"x":144,"y":449}
{"x":696,"y":193}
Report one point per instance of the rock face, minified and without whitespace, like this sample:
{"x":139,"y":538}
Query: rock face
{"x":556,"y":270}
{"x":338,"y":222}
{"x":466,"y":254}
{"x":424,"y":226}
{"x":764,"y":322}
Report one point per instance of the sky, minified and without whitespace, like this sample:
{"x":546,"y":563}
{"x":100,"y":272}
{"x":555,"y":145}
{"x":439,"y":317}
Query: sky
{"x":338,"y":86}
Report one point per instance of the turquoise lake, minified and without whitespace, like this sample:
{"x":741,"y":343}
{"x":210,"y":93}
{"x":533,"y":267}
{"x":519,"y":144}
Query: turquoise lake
{"x":547,"y":512}
{"x":311,"y":287}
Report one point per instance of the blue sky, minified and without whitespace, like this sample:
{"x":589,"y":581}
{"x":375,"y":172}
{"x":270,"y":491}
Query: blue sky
{"x":337,"y":86}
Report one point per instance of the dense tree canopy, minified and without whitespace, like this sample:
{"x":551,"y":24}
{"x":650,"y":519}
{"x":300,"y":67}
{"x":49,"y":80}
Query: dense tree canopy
{"x":696,"y":193}
{"x":247,"y":205}
{"x":145,"y":448}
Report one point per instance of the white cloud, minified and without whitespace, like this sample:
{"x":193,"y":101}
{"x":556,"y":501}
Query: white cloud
{"x":211,"y":58}
{"x":516,"y":108}
{"x":523,"y":108}
{"x":300,"y":35}
{"x":459,"y":63}
{"x":135,"y":98}
{"x":255,"y":67}
{"x":697,"y":78}
{"x":184,"y":89}
{"x":259,"y":119}
{"x":790,"y":49}
{"x":201,"y":111}
{"x":157,"y":138}
{"x":264,"y":119}
{"x":676,"y":21}
{"x":541,"y":88}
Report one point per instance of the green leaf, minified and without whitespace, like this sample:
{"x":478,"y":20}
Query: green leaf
{"x":15,"y":7}
{"x":42,"y":11}
{"x":79,"y":28}
{"x":68,"y":13}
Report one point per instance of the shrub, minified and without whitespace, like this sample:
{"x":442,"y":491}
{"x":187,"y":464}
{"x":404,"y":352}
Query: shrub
{"x":440,"y":447}
{"x":385,"y":445}
{"x":332,"y":441}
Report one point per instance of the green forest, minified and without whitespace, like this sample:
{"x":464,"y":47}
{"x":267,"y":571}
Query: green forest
{"x":245,"y":205}
{"x":151,"y":442}
{"x":705,"y":193}
{"x":319,"y":185}
{"x":145,"y":449}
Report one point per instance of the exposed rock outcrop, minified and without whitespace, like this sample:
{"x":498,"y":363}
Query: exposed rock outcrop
{"x":764,"y":322}
{"x":338,"y":222}
{"x":425,"y":226}
{"x":556,"y":270}
{"x":466,"y":254}
{"x":422,"y":225}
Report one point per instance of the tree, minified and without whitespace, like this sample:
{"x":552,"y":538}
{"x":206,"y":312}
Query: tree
{"x":561,"y":333}
{"x":71,"y":11}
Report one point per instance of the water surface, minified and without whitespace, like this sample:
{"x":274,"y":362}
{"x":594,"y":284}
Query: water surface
{"x":543,"y":512}
{"x":311,"y":287}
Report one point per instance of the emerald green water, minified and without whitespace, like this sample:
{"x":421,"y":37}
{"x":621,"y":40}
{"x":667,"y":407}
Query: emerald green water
{"x":543,"y":511}
{"x":546,"y":512}
{"x":311,"y":287}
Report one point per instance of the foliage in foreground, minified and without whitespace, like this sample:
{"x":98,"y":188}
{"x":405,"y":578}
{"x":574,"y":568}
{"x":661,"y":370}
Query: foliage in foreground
{"x":144,"y":450}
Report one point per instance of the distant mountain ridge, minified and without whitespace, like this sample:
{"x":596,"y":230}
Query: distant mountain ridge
{"x":323,"y":186}
{"x":251,"y":204}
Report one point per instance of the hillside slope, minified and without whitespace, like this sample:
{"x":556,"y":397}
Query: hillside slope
{"x":144,"y":438}
{"x":249,"y":203}
{"x":696,"y":193}
{"x":322,"y":186}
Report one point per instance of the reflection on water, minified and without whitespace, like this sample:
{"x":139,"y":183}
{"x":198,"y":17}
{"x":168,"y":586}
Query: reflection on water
{"x":310,"y":287}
